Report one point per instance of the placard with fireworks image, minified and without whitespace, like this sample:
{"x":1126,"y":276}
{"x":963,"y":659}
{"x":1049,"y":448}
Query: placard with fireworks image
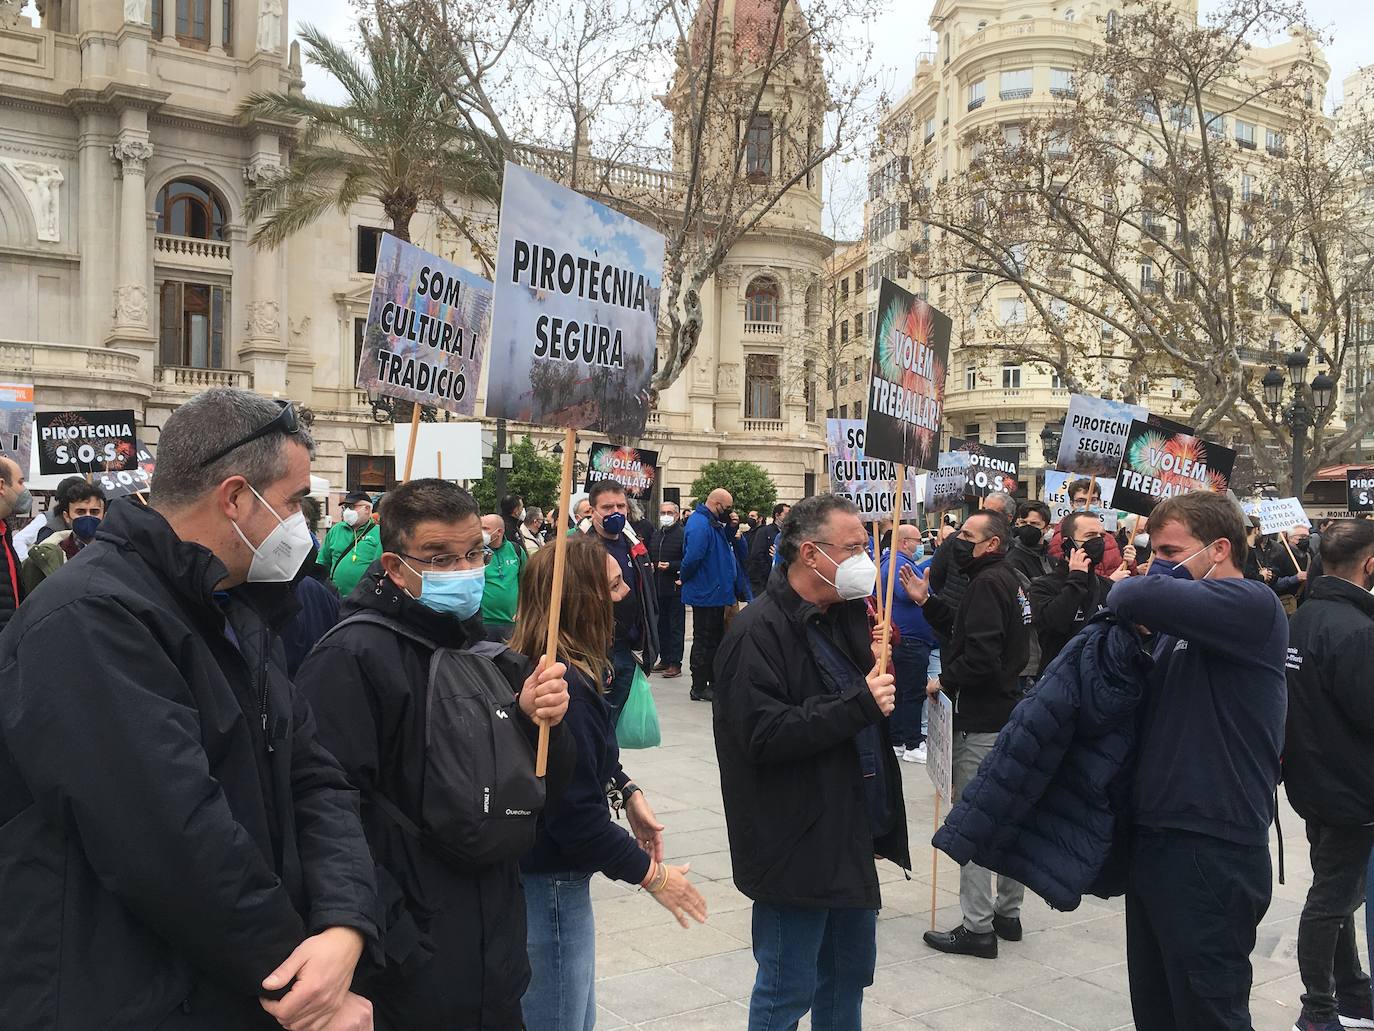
{"x":1160,"y":463}
{"x":631,"y":467}
{"x":85,"y":442}
{"x":906,"y":393}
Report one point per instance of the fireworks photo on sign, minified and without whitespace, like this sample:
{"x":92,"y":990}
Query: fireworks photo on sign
{"x":85,"y":442}
{"x":1158,"y":464}
{"x":631,"y":467}
{"x":906,"y":394}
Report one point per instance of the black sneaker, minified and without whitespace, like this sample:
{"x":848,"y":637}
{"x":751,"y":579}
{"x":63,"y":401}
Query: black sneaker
{"x":1008,"y":928}
{"x":963,"y":942}
{"x":1357,"y":1012}
{"x":706,"y":694}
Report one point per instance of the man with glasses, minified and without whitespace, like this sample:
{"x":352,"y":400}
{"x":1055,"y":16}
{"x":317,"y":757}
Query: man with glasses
{"x":454,"y":939}
{"x":1064,"y":600}
{"x":989,"y":643}
{"x":181,"y":851}
{"x":352,"y":544}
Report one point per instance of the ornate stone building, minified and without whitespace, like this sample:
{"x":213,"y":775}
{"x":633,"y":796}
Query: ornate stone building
{"x":129,"y":279}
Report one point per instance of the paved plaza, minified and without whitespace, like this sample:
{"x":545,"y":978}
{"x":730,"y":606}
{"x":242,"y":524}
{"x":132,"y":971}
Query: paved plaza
{"x":1069,"y":972}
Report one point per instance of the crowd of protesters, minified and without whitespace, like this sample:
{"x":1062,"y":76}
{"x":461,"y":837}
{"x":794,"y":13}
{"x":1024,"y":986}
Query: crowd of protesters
{"x":254,"y":778}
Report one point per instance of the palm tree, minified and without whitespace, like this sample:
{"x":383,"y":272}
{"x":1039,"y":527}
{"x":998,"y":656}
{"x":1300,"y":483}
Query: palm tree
{"x":398,"y":138}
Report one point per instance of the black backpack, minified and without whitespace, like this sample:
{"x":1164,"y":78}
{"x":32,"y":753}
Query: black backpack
{"x":480,"y":799}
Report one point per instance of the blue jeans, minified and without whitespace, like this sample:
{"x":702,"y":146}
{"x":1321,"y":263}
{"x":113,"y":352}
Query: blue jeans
{"x":623,"y":663}
{"x":811,"y":959}
{"x":910,"y":660}
{"x":932,"y":673}
{"x":561,"y":940}
{"x":672,"y":628}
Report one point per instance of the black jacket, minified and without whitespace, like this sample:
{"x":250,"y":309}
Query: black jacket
{"x":759,"y":564}
{"x":666,"y":546}
{"x":454,"y":939}
{"x":1061,"y":604}
{"x":1328,"y":755}
{"x":947,"y":580}
{"x":643,"y":594}
{"x":1031,"y":563}
{"x":154,"y":846}
{"x":792,"y":772}
{"x":11,"y":586}
{"x":989,"y":643}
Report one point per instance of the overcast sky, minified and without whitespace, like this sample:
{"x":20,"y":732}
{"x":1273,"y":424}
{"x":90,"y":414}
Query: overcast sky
{"x":902,"y":33}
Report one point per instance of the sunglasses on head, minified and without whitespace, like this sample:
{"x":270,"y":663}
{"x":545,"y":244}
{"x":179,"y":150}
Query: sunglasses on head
{"x":285,"y":422}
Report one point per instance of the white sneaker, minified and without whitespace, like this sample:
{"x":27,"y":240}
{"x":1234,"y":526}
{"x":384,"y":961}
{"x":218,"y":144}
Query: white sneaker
{"x":1355,"y":1021}
{"x":898,"y":751}
{"x":915,"y":755}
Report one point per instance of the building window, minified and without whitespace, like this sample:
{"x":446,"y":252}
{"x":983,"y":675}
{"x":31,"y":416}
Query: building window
{"x":193,"y":22}
{"x":972,"y":432}
{"x":809,"y":386}
{"x":844,"y":411}
{"x":189,"y":208}
{"x":359,"y":335}
{"x":1011,"y":136}
{"x":860,"y":367}
{"x":1215,"y":124}
{"x":758,"y":148}
{"x":970,"y":376}
{"x":844,"y":289}
{"x":761,"y":301}
{"x":192,"y":317}
{"x":1015,"y":85}
{"x":1011,"y":376}
{"x":844,"y":332}
{"x":858,"y":409}
{"x":1011,"y":434}
{"x":859,"y":326}
{"x":977,"y":93}
{"x":1274,"y":143}
{"x":1012,"y":310}
{"x":1061,"y":82}
{"x":228,"y":16}
{"x":1245,"y":134}
{"x":1247,"y":187}
{"x":1056,"y":381}
{"x":762,"y":396}
{"x":1113,"y":19}
{"x":858,"y":280}
{"x":369,"y":241}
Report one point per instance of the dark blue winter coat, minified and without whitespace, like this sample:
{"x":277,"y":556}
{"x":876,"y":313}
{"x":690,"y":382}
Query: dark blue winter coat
{"x":1043,"y":807}
{"x":711,"y":575}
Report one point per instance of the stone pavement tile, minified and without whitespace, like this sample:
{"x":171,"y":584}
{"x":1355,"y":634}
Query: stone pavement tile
{"x":686,"y":821}
{"x":1068,"y":950}
{"x":991,"y":1014}
{"x":616,"y":955}
{"x":652,"y":994}
{"x":873,"y":1016}
{"x":706,"y":839}
{"x":737,"y":923}
{"x":1267,"y":1014}
{"x":608,"y":1021}
{"x":1006,"y":973}
{"x":913,"y":987}
{"x":625,"y":914}
{"x":722,"y":896}
{"x":603,"y":887}
{"x":1078,"y":1003}
{"x":723,"y":1016}
{"x":713,"y":866}
{"x":1113,"y":977}
{"x":667,"y":942}
{"x":730,"y":973}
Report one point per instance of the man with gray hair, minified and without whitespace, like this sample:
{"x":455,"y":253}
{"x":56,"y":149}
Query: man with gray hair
{"x":811,"y":786}
{"x":946,"y":578}
{"x":180,"y":851}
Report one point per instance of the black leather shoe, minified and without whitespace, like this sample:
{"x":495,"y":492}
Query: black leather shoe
{"x":1008,"y":928}
{"x":706,"y":694}
{"x":963,"y":942}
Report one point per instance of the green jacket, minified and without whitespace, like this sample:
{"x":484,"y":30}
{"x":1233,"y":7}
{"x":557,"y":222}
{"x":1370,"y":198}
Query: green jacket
{"x":346,"y":553}
{"x":503,"y":585}
{"x":43,"y":560}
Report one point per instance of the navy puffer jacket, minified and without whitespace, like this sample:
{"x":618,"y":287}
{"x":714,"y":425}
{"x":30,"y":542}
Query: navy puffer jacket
{"x":1043,"y":807}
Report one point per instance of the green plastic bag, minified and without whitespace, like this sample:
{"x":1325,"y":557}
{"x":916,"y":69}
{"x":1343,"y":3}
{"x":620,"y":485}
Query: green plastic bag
{"x":638,"y":726}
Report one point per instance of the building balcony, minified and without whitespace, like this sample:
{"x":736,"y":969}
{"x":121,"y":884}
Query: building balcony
{"x":1014,"y":94}
{"x":1245,"y":144}
{"x":975,"y":104}
{"x":182,"y":379}
{"x":192,"y":253}
{"x":763,"y":329}
{"x":75,"y":375}
{"x":774,"y":426}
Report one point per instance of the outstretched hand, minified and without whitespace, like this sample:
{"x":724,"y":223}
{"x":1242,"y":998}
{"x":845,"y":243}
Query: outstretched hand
{"x":917,"y":587}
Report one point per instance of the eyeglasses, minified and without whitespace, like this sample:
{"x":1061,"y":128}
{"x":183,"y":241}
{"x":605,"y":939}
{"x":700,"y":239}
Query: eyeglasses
{"x":448,"y":563}
{"x":285,"y":422}
{"x":853,"y":549}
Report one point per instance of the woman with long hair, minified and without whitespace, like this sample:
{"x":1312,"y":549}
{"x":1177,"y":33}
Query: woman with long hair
{"x":577,"y":836}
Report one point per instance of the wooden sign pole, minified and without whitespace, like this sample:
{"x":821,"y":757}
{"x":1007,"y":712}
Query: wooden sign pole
{"x":440,"y":459}
{"x":878,"y":561}
{"x":934,"y":864}
{"x":560,"y":561}
{"x":410,"y":445}
{"x":886,"y":647}
{"x":1283,"y":535}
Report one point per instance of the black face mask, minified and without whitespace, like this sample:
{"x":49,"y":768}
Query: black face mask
{"x":1094,"y":548}
{"x":1299,"y":543}
{"x":1030,"y":536}
{"x":962,"y":552}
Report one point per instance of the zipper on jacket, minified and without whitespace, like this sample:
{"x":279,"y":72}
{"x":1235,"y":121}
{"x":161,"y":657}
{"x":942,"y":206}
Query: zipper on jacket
{"x":263,"y":711}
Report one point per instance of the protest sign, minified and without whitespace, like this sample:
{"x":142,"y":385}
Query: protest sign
{"x":443,"y":450}
{"x":1279,"y":515}
{"x":85,"y":442}
{"x":940,"y":745}
{"x":631,"y":467}
{"x":990,"y":468}
{"x":577,"y":292}
{"x":1159,"y":462}
{"x":945,"y":486}
{"x":16,"y":422}
{"x":427,"y":329}
{"x":1359,"y":490}
{"x":1056,"y":496}
{"x":867,"y":482}
{"x":1095,"y":431}
{"x":121,"y":483}
{"x":906,"y":395}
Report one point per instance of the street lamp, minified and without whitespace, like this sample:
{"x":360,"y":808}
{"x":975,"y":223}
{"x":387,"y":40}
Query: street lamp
{"x":1299,"y":416}
{"x":1050,"y":435}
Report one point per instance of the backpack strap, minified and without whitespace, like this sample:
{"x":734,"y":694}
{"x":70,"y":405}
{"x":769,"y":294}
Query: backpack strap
{"x":376,"y":618}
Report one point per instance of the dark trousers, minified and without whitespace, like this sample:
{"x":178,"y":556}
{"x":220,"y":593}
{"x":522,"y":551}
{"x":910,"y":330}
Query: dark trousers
{"x":1192,"y":905}
{"x":708,"y":627}
{"x":672,"y":627}
{"x":1327,"y":955}
{"x":910,"y":660}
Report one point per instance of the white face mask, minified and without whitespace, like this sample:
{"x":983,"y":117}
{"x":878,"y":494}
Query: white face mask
{"x":854,"y":577}
{"x":666,"y":520}
{"x":351,"y":516}
{"x":278,"y":559}
{"x":1142,"y":540}
{"x":486,"y":539}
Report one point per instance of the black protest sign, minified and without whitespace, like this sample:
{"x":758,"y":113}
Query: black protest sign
{"x":989,"y":468}
{"x":85,"y":442}
{"x":906,"y":394}
{"x":1359,"y":489}
{"x":1160,"y":462}
{"x":631,"y":467}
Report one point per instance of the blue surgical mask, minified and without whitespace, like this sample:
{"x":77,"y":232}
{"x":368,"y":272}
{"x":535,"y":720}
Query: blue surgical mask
{"x":613,"y":523}
{"x":85,"y":526}
{"x":456,"y":593}
{"x":919,"y":553}
{"x":1178,"y":570}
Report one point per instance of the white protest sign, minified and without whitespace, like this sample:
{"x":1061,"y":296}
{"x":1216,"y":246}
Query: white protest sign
{"x":1056,"y":495}
{"x":457,"y":444}
{"x":1279,"y":515}
{"x":1095,"y":431}
{"x":940,"y":745}
{"x":867,"y":482}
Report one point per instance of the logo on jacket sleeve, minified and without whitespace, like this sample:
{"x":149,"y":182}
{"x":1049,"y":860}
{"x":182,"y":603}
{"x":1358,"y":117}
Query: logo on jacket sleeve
{"x":1293,"y":660}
